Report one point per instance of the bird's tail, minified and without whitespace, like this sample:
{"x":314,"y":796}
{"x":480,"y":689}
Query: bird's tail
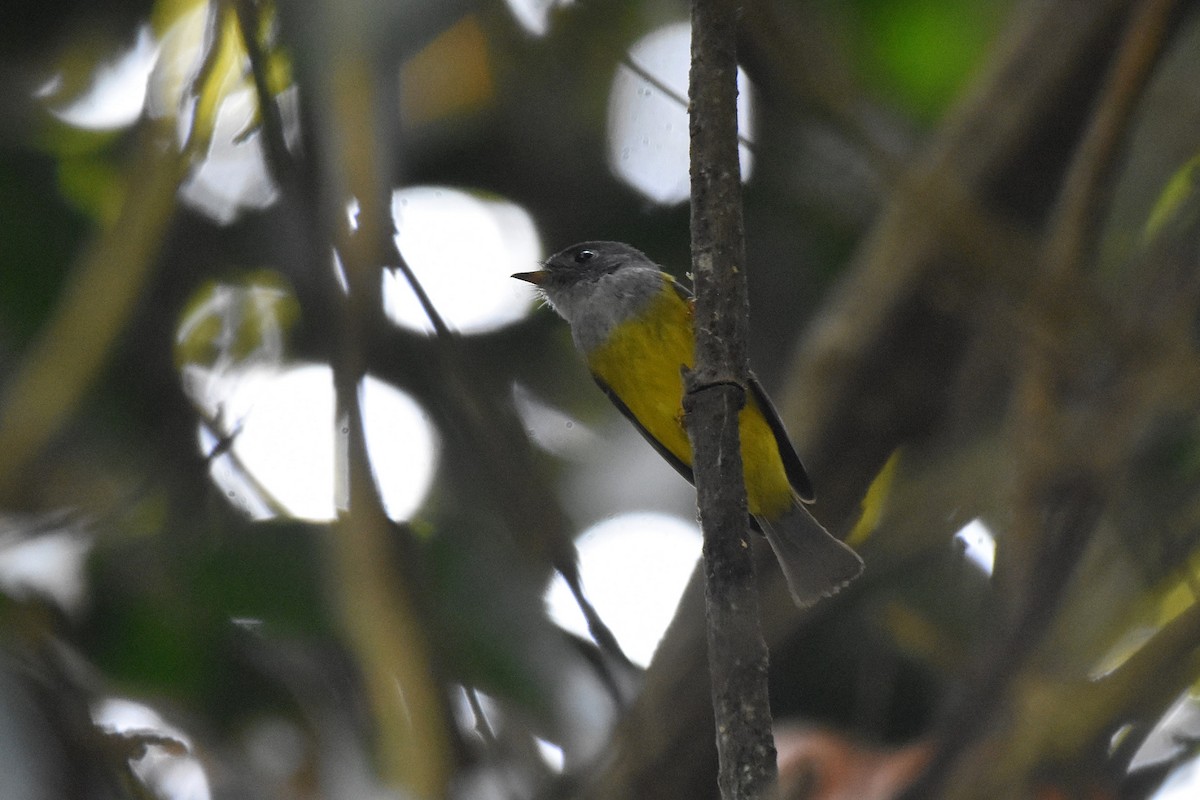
{"x":814,"y":563}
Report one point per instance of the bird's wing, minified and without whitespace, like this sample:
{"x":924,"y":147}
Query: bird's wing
{"x":682,"y":290}
{"x":797,"y":475}
{"x":680,"y":467}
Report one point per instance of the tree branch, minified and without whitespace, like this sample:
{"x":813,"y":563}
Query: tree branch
{"x":102,"y":290}
{"x":737,"y":655}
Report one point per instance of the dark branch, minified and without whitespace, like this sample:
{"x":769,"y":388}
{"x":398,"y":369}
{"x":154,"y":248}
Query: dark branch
{"x":737,"y":655}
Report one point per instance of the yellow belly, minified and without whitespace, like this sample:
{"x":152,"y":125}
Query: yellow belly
{"x":641,"y":363}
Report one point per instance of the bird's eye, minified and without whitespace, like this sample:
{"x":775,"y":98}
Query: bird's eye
{"x":584,"y":255}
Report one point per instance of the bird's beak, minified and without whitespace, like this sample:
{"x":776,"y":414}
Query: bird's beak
{"x":536,"y":278}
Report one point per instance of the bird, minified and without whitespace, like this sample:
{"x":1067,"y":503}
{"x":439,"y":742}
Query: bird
{"x":632,"y":322}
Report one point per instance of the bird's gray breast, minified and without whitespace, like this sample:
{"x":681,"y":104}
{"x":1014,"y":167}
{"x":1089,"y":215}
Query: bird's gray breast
{"x":594,"y":307}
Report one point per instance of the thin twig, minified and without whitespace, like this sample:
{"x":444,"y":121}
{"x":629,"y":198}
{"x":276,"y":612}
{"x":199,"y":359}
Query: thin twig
{"x":482,"y":726}
{"x":652,"y":79}
{"x":455,"y":368}
{"x":601,"y":634}
{"x":1086,"y":185}
{"x":225,"y":447}
{"x":279,"y":158}
{"x":445,"y":336}
{"x":474,"y":405}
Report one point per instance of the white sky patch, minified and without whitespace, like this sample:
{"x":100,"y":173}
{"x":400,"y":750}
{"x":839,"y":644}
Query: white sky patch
{"x":464,"y":714}
{"x":549,"y":428}
{"x":634,"y":569}
{"x":552,"y":754}
{"x":286,"y":439}
{"x":117,"y":93}
{"x":534,"y":15}
{"x":179,"y":777}
{"x":648,"y":130}
{"x":1181,"y":723}
{"x":233,"y":177}
{"x":1184,"y":783}
{"x":48,"y":565}
{"x":463,"y":248}
{"x":979,"y":546}
{"x":401,"y":444}
{"x":120,"y":715}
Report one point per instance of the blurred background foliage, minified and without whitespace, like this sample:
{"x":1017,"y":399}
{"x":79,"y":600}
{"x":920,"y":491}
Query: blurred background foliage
{"x":973,"y":233}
